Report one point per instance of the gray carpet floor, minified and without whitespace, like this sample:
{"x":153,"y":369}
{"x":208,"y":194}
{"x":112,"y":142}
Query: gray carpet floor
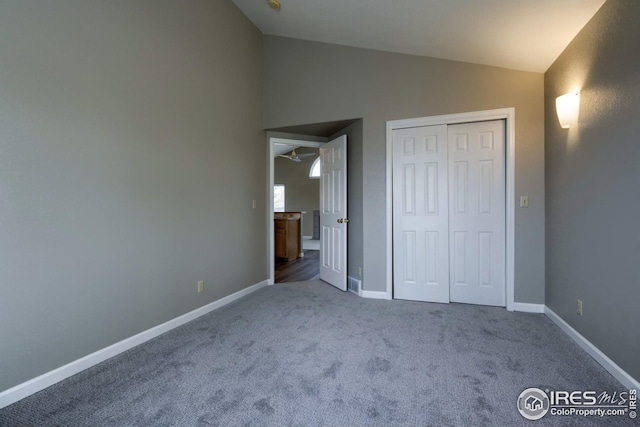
{"x":306,"y":354}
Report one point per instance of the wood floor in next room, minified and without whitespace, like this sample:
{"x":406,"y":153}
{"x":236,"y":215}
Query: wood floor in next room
{"x":297,"y":270}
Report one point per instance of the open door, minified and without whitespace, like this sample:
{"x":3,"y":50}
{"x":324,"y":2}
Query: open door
{"x":333,"y":213}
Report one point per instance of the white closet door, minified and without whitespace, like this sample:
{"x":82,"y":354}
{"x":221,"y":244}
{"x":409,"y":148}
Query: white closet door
{"x":477,"y":213}
{"x":420,"y":214}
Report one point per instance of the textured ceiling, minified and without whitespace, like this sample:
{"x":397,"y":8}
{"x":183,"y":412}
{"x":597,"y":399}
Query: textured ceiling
{"x":518,"y":34}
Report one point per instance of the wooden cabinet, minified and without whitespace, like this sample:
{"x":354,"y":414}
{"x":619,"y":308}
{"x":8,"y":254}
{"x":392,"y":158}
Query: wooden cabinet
{"x":287,"y":234}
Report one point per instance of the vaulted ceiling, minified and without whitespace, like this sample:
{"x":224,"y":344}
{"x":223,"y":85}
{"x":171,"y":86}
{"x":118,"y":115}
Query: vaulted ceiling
{"x":518,"y":34}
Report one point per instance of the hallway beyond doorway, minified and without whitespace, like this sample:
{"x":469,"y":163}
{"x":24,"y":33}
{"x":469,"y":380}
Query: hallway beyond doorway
{"x":297,"y":270}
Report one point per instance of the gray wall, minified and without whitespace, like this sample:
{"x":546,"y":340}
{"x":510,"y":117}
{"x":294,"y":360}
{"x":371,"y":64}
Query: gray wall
{"x":301,"y":192}
{"x":309,"y":82}
{"x":354,"y":197}
{"x":120,"y":180}
{"x":593,"y":184}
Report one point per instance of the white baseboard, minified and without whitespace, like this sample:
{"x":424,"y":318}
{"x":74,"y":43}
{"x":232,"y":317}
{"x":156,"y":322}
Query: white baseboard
{"x":620,"y":374}
{"x":376,"y":295}
{"x":43,"y":381}
{"x":528,"y":308}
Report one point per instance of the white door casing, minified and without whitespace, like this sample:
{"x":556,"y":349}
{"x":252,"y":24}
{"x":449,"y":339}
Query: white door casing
{"x":477,"y":213}
{"x":449,"y":213}
{"x":333,"y":213}
{"x":420,"y":212}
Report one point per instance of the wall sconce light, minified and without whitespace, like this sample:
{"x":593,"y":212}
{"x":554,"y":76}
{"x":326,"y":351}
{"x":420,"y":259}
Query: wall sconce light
{"x":568,"y":107}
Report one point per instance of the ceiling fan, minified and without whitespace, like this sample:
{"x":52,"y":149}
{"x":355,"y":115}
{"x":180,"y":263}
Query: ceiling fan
{"x":296,"y":157}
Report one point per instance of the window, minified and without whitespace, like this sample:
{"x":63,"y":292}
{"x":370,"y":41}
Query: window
{"x":314,"y":172}
{"x":278,"y":198}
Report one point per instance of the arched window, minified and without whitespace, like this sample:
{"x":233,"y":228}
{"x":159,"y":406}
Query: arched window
{"x":314,"y":172}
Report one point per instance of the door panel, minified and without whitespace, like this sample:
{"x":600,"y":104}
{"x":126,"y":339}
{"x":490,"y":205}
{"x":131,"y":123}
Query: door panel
{"x":460,"y":186}
{"x":477,"y":224}
{"x":459,"y":258}
{"x":420,"y":212}
{"x":333,"y":207}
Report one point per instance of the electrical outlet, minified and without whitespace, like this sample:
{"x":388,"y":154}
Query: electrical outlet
{"x":253,"y":204}
{"x":201,"y":286}
{"x":579,"y":307}
{"x":359,"y":271}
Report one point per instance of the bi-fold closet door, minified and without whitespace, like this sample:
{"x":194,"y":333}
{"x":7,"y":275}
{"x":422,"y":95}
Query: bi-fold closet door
{"x":449,"y":213}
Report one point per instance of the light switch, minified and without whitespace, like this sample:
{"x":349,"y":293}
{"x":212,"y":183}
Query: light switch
{"x":253,"y":204}
{"x":524,"y":201}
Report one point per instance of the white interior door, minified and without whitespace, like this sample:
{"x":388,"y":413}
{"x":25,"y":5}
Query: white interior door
{"x":333,"y":213}
{"x":477,"y":213}
{"x":449,"y":213}
{"x":420,"y":214}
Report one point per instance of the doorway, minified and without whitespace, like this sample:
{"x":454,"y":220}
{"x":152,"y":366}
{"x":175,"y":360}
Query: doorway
{"x":322,"y":133}
{"x":286,"y":228}
{"x":299,"y":192}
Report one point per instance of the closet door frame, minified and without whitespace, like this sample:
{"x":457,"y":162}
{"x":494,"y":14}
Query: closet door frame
{"x":507,"y":114}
